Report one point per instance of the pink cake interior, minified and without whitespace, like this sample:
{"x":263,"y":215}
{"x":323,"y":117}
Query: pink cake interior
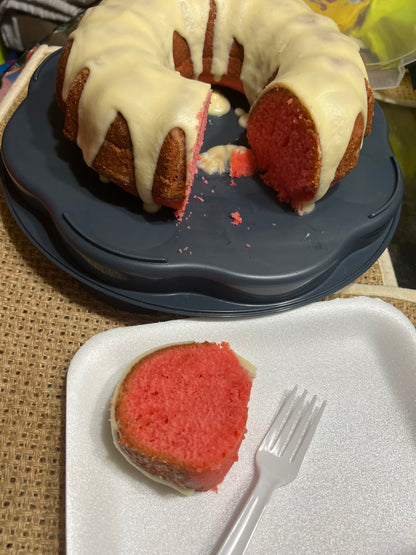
{"x":289,"y":137}
{"x":192,"y":165}
{"x":186,"y":404}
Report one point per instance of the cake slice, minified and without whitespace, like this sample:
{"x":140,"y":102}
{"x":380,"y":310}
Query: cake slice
{"x":179,"y":413}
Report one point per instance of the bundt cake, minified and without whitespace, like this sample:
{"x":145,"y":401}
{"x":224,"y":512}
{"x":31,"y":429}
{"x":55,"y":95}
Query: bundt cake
{"x":179,"y":413}
{"x":134,"y":84}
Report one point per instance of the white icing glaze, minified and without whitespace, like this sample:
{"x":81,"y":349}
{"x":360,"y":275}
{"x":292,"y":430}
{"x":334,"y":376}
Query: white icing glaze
{"x":138,"y":53}
{"x":219,"y":104}
{"x":127,"y":47}
{"x":242,"y":117}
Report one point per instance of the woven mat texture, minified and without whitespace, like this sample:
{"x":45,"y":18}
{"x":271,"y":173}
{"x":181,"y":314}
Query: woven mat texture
{"x":404,"y":94}
{"x":45,"y":317}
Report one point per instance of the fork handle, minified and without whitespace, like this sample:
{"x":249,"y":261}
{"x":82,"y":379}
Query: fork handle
{"x":239,"y":536}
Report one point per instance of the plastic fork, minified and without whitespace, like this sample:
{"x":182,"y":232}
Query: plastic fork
{"x":278,"y":460}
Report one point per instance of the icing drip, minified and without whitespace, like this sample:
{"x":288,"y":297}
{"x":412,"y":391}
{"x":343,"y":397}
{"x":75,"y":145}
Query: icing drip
{"x":242,"y":117}
{"x":219,"y":105}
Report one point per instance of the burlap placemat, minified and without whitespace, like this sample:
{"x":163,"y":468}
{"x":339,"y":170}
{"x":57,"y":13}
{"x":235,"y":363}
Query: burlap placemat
{"x":45,"y":318}
{"x":404,"y":94}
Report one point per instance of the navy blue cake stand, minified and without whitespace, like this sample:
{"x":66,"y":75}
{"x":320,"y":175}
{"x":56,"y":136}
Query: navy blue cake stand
{"x":274,"y":260}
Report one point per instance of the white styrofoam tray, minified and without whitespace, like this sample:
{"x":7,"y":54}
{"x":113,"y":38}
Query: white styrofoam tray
{"x":356,"y":490}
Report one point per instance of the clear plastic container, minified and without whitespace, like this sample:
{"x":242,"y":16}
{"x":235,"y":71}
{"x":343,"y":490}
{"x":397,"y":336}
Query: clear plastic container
{"x":385,"y":29}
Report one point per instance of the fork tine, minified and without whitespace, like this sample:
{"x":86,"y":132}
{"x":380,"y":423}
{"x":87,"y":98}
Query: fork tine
{"x":307,"y":438}
{"x":277,"y":425}
{"x":300,"y":428}
{"x":298,"y":423}
{"x":281,"y":442}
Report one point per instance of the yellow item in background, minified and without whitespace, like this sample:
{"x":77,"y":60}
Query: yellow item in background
{"x":385,"y":30}
{"x":3,"y":54}
{"x":346,"y":13}
{"x":389,"y":30}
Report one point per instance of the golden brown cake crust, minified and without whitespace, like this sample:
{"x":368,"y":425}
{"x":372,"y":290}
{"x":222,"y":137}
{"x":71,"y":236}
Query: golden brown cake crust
{"x":170,"y":173}
{"x":352,"y":153}
{"x":115,"y":158}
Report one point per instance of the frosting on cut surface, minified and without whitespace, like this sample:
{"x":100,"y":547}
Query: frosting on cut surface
{"x":127,"y":48}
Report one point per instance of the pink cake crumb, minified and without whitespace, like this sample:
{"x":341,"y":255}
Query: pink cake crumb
{"x":192,"y":165}
{"x":236,"y":218}
{"x":242,"y":163}
{"x":248,"y":245}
